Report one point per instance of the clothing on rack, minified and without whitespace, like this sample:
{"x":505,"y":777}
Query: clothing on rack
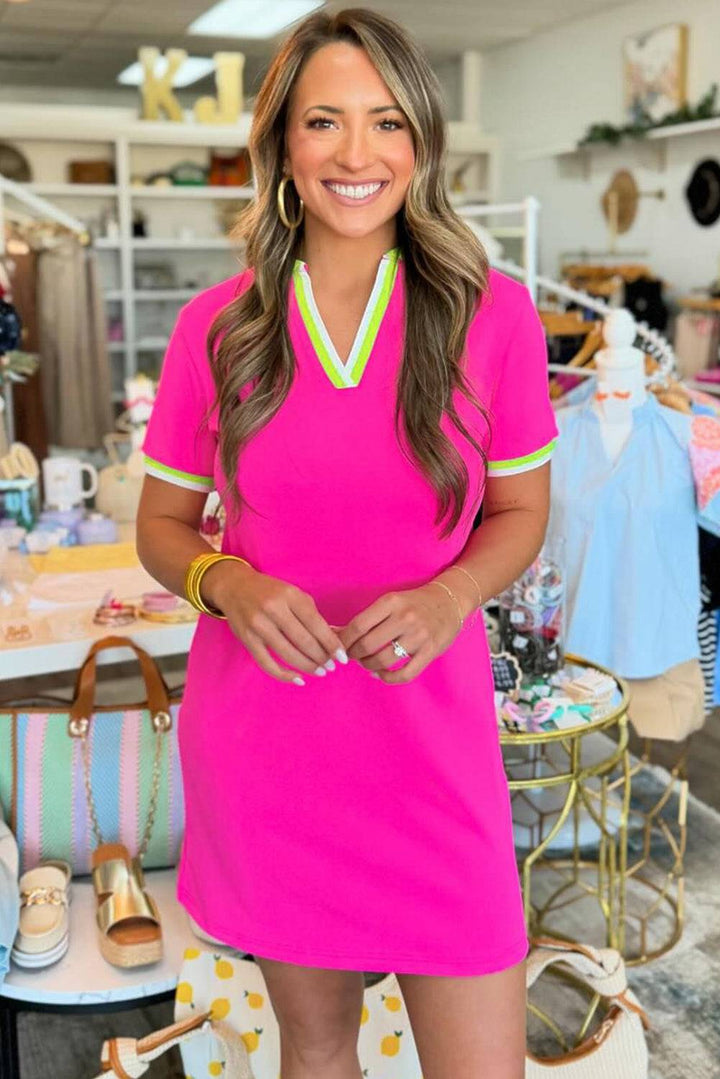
{"x":643,"y":297}
{"x":30,"y":422}
{"x":76,"y":376}
{"x":631,"y":532}
{"x":708,"y":638}
{"x":696,"y":341}
{"x":670,"y":706}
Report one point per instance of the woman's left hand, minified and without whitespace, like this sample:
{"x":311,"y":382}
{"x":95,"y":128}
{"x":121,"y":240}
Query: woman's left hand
{"x":424,"y":620}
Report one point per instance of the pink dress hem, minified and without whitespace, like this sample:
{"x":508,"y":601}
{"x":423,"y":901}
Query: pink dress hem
{"x":491,"y":963}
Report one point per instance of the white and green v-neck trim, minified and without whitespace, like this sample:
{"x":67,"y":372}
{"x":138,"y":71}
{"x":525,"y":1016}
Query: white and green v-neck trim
{"x":346,"y":375}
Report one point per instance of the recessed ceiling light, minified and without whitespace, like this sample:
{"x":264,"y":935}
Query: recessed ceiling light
{"x":251,"y":18}
{"x":191,"y":70}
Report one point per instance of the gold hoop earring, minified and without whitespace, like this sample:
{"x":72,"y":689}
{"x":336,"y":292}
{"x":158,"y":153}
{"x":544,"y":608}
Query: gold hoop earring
{"x":281,"y":206}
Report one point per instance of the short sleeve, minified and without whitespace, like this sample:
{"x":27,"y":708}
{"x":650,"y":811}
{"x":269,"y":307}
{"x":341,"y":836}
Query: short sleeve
{"x":523,"y":424}
{"x":179,"y":445}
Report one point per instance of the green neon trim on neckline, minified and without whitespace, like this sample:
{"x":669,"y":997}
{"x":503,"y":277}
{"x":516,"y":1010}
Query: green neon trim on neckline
{"x":516,"y":462}
{"x":203,"y":481}
{"x":346,"y":375}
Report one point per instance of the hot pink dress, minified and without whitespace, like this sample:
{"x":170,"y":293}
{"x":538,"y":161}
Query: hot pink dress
{"x":347,"y":823}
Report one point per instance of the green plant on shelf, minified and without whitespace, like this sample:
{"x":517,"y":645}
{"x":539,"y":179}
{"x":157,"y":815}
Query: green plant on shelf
{"x":686,"y":114}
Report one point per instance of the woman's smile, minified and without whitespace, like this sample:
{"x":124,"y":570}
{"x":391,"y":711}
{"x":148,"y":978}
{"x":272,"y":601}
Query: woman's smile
{"x":355,"y":194}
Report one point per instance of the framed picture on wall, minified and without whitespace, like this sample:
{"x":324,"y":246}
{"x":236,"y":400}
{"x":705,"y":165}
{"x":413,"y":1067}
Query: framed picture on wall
{"x":655,"y":72}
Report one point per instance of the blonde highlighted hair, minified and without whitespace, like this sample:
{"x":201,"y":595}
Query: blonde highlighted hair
{"x":446,"y":266}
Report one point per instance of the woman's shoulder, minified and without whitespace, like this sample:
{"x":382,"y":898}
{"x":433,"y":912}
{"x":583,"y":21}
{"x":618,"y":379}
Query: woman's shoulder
{"x":197,"y":314}
{"x":503,"y":304}
{"x":504,"y":296}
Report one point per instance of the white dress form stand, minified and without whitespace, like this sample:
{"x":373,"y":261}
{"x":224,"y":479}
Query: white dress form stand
{"x":620,"y":382}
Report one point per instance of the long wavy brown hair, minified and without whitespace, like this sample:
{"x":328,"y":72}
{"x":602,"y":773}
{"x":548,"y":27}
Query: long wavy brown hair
{"x":446,"y":266}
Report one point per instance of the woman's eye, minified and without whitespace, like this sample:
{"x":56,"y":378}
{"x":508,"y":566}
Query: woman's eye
{"x":318,"y":123}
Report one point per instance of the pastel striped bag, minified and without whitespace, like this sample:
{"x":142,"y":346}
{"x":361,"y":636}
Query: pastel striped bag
{"x":75,"y":775}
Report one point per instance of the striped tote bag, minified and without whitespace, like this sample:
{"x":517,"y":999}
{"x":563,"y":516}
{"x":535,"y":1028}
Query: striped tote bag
{"x":73,"y":776}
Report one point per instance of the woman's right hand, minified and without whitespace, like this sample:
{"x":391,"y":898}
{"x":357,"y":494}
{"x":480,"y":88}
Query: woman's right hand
{"x":266,"y":612}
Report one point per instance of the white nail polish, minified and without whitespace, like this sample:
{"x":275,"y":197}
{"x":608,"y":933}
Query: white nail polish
{"x":299,"y":681}
{"x":320,"y":672}
{"x":374,"y":674}
{"x":330,"y":665}
{"x":342,"y":655}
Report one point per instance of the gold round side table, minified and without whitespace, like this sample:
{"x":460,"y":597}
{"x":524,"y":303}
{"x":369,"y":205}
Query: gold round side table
{"x":570,"y":791}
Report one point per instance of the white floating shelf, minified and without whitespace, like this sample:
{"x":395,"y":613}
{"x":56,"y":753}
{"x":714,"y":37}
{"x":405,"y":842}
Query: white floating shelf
{"x":190,"y":191}
{"x":113,"y":294}
{"x":116,"y":346}
{"x":169,"y":243}
{"x":667,"y":131}
{"x":106,"y":243}
{"x":72,"y":190}
{"x":695,"y":127}
{"x":151,"y":344}
{"x":162,"y":294}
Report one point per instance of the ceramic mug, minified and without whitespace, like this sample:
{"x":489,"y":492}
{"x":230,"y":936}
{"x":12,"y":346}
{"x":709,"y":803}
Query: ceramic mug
{"x":63,"y":482}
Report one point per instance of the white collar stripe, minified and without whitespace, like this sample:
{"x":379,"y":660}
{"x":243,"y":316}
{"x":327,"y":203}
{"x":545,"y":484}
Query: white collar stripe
{"x":346,"y":375}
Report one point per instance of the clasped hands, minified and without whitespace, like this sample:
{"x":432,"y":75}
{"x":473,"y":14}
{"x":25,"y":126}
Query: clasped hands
{"x":279,"y":623}
{"x":424,"y":619}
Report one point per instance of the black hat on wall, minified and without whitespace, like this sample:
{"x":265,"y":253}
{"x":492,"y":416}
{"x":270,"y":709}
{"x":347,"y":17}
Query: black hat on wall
{"x":703,"y":192}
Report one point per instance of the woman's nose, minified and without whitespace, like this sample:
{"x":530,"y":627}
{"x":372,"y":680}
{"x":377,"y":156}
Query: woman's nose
{"x":354,"y":150}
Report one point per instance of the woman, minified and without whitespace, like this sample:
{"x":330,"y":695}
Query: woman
{"x":363,"y":823}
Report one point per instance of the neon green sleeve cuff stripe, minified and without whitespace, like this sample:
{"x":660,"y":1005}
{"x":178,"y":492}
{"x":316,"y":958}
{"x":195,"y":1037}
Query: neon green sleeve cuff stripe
{"x":529,"y":458}
{"x":177,"y":475}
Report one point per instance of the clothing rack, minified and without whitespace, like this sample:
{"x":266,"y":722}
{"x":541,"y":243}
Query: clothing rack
{"x":657,"y":345}
{"x":39,"y":206}
{"x":45,"y":211}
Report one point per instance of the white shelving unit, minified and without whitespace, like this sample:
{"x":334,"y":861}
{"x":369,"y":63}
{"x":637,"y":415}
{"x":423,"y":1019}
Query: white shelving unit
{"x":652,"y":147}
{"x":185,"y":231}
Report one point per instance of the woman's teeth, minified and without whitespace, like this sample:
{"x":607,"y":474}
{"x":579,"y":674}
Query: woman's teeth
{"x":355,"y":191}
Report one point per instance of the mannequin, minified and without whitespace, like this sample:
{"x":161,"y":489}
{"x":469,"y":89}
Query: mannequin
{"x":620,"y":382}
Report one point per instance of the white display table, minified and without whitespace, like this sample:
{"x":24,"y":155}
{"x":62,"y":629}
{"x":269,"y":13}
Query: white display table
{"x":82,"y":979}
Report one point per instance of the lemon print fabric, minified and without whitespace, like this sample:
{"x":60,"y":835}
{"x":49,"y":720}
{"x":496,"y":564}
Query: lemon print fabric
{"x":220,"y":1008}
{"x":232,"y":989}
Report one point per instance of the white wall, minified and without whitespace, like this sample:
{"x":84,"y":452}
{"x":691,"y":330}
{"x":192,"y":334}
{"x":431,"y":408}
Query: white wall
{"x":546,"y":91}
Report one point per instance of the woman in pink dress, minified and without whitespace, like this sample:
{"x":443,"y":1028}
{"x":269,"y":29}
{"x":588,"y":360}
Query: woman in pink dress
{"x":354,"y":396}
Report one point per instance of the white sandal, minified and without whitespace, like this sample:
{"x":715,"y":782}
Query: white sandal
{"x":43,"y":931}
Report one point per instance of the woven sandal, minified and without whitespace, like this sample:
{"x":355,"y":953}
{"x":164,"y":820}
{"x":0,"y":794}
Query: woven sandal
{"x":128,"y":920}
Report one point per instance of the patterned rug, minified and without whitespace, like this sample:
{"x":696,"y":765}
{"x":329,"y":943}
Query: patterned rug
{"x":679,"y":990}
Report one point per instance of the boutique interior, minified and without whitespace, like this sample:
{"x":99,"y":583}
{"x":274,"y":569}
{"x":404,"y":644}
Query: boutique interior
{"x":583,"y":149}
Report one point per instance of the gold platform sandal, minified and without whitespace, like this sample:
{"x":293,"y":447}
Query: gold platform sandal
{"x":128,"y":920}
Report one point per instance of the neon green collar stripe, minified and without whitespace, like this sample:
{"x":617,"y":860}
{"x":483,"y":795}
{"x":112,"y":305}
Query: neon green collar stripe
{"x":349,"y":374}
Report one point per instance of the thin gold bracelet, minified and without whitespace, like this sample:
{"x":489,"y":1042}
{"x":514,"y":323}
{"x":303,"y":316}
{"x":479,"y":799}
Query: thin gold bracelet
{"x":453,"y":597}
{"x":468,"y":574}
{"x":195,"y":573}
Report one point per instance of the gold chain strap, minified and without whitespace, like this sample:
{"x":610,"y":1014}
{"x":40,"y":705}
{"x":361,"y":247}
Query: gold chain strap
{"x":162,"y":723}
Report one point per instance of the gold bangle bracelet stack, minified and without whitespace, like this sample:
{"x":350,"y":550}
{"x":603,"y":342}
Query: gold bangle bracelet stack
{"x":195,"y":573}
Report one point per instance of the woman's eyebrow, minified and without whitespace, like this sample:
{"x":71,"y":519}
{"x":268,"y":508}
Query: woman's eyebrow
{"x":339,"y":112}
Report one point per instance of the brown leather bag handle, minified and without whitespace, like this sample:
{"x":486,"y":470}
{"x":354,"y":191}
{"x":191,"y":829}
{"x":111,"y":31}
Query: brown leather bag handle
{"x":158,"y":695}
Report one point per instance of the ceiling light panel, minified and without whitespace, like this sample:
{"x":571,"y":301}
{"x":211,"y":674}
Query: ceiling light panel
{"x":251,"y":18}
